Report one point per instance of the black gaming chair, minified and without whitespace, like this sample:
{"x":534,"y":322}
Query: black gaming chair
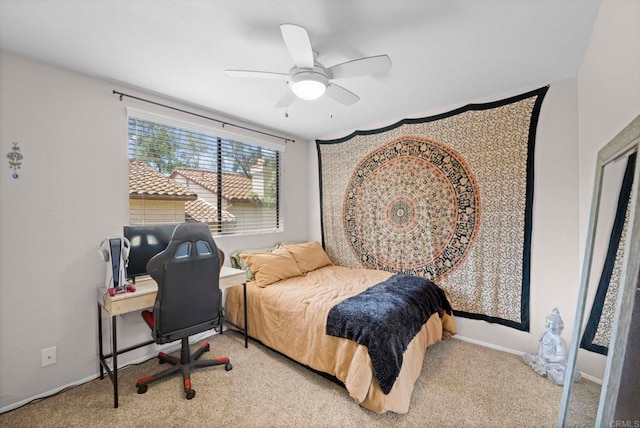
{"x":188,"y":300}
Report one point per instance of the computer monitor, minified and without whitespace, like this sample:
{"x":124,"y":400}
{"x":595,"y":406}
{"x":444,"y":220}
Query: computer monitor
{"x":146,"y":241}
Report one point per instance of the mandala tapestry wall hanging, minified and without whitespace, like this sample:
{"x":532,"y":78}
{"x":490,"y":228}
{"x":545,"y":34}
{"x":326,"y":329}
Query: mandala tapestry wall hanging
{"x":447,"y":197}
{"x":599,"y":328}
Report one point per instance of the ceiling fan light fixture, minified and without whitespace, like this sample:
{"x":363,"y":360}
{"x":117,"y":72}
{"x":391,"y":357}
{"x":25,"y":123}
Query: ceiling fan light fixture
{"x":309,"y":85}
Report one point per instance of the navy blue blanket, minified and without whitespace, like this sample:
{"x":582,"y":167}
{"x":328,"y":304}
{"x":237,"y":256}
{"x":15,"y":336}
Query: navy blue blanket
{"x":385,"y":318}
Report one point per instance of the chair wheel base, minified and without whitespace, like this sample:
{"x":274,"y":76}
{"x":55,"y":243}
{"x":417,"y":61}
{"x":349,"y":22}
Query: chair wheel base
{"x":183,"y":365}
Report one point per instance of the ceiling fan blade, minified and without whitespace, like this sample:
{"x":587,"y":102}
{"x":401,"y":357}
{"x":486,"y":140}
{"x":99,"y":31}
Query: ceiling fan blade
{"x":360,"y":67}
{"x":297,"y":40}
{"x":341,"y":95}
{"x":256,"y":74}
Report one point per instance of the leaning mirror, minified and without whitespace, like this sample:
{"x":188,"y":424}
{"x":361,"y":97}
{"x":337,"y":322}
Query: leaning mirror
{"x":621,"y":338}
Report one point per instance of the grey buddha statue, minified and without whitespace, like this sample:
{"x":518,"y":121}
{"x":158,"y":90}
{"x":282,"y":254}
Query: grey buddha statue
{"x":551,"y":359}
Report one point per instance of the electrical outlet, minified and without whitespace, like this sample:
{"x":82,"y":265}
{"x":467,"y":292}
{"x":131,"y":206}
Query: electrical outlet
{"x":48,"y":356}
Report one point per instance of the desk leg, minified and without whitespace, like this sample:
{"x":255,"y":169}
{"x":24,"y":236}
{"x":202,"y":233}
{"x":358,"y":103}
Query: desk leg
{"x":100,"y":341}
{"x":246,"y":321}
{"x":114,"y":344}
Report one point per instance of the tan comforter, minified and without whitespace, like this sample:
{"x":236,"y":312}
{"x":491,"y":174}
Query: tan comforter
{"x":290,"y":316}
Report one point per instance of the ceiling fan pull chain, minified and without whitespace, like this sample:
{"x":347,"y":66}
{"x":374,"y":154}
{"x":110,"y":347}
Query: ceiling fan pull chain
{"x":330,"y":108}
{"x":286,"y":98}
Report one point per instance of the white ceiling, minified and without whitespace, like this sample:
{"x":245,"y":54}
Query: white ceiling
{"x":444,"y":52}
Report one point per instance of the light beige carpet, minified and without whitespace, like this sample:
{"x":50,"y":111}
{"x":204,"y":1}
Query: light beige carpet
{"x":461,"y":385}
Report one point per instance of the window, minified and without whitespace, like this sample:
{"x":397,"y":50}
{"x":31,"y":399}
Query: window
{"x":179,"y":172}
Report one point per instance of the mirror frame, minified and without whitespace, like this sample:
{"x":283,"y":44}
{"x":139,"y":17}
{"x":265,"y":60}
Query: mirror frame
{"x":623,"y":144}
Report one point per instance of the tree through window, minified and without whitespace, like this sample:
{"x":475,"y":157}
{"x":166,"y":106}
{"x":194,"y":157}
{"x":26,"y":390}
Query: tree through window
{"x":177,"y":174}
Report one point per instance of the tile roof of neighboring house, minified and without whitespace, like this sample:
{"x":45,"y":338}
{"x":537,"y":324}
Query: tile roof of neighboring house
{"x":144,"y":181}
{"x":201,"y":210}
{"x":234,"y":186}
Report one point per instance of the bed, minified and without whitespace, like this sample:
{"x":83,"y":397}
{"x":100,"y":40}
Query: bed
{"x":288,"y":310}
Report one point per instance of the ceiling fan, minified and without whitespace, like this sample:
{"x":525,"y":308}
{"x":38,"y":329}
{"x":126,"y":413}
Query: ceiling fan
{"x":308,"y":78}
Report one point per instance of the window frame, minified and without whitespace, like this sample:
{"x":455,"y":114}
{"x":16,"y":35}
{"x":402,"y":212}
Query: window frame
{"x":221,"y":134}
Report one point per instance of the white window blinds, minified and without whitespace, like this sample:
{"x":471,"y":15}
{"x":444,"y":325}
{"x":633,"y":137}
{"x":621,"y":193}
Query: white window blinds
{"x":180,"y":173}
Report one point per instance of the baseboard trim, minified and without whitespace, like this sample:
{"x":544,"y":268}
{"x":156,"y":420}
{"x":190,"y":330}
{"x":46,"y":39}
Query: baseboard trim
{"x":207,"y":334}
{"x":513,"y":351}
{"x":488,"y":345}
{"x":47,"y":393}
{"x":142,"y":359}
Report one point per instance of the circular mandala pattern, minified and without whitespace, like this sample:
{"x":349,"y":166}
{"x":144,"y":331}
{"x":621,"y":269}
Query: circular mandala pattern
{"x":400,"y":213}
{"x":412,"y":206}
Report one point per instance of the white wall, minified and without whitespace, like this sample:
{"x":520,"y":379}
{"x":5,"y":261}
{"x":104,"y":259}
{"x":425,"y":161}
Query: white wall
{"x":71,"y":194}
{"x":609,"y":98}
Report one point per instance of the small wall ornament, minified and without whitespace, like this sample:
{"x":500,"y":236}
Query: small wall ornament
{"x":15,"y":160}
